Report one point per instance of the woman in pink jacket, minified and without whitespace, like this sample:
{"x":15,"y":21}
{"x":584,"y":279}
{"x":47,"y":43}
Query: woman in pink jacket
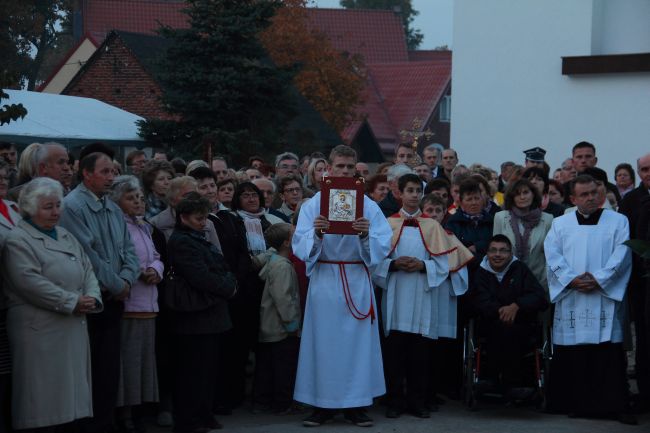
{"x":138,"y":378}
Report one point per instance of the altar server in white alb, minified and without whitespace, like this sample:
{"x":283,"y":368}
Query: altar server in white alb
{"x":340,"y":366}
{"x":588,"y":268}
{"x":422,"y":278}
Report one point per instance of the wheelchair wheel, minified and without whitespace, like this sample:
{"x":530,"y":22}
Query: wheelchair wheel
{"x":470,"y":367}
{"x":546,"y":354}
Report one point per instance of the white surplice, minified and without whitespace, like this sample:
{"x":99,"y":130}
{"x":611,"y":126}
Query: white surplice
{"x":340,"y":363}
{"x":572,"y":249}
{"x":420,"y":303}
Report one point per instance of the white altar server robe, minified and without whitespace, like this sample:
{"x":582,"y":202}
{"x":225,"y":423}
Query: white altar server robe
{"x":340,"y":363}
{"x":420,"y":303}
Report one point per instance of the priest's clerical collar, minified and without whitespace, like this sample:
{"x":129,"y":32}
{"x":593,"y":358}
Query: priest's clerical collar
{"x":589,"y":220}
{"x":407,"y":215}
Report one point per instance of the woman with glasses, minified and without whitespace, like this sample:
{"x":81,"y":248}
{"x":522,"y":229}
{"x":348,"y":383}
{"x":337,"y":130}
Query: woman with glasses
{"x":241,"y":232}
{"x":625,"y":180}
{"x":291,"y":192}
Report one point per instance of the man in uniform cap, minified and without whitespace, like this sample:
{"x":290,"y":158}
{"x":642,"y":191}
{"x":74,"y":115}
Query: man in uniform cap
{"x":535,"y":157}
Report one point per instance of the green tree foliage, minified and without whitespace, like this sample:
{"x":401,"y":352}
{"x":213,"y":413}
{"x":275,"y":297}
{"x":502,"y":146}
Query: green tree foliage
{"x":33,"y":33}
{"x":218,"y":83}
{"x":403,"y":7}
{"x":9,"y":112}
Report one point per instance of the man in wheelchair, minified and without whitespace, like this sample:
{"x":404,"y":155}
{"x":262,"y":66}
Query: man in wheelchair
{"x":508,"y":299}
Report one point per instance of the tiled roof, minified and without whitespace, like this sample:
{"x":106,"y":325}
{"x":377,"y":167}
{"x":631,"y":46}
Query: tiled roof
{"x":137,"y":16}
{"x":396,"y":94}
{"x":416,"y":56}
{"x":375,"y":34}
{"x":410,"y":89}
{"x":374,"y":108}
{"x":402,"y":84}
{"x":148,"y":49}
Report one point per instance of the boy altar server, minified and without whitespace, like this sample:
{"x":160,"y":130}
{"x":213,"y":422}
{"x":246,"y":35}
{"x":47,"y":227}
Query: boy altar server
{"x":421,"y":278}
{"x":340,"y":366}
{"x":588,"y":268}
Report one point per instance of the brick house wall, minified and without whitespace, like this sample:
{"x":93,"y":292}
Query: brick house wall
{"x":115,"y":76}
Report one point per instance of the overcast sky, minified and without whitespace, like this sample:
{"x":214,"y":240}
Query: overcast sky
{"x":435,"y":20}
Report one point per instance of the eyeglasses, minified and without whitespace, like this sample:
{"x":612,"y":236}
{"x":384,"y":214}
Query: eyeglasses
{"x":288,"y":167}
{"x":498,"y":251}
{"x":292,"y":190}
{"x":249,"y":195}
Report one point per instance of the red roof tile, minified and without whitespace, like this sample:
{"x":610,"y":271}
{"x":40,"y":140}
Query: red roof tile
{"x":416,"y":56}
{"x":374,"y":108}
{"x":411,"y":89}
{"x":399,"y":92}
{"x":375,"y":34}
{"x":137,"y":16}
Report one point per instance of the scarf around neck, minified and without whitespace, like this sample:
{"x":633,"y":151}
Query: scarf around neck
{"x":254,"y":231}
{"x":474,"y":219}
{"x":529,"y":219}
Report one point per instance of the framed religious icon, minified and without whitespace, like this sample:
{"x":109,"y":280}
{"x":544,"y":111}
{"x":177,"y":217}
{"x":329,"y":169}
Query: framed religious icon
{"x":341,"y":202}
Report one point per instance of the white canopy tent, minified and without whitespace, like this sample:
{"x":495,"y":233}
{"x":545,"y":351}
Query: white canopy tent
{"x":70,"y":120}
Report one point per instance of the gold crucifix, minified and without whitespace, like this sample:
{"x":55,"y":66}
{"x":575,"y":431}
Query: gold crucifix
{"x":415,"y":133}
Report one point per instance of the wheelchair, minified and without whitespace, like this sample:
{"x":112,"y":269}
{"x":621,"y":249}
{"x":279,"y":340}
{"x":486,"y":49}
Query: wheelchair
{"x":475,"y":362}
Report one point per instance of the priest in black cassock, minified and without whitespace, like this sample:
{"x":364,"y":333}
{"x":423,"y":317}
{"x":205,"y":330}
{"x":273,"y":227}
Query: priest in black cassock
{"x":588,"y":268}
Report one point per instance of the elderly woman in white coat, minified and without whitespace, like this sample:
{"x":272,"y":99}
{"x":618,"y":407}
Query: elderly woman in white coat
{"x":50,"y":287}
{"x":9,"y":217}
{"x":524,"y":223}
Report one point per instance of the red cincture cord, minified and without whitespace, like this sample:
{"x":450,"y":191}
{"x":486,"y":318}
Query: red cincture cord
{"x":346,"y":290}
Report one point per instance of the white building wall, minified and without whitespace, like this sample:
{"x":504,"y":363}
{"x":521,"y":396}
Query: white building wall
{"x":621,"y":26}
{"x":510,"y":94}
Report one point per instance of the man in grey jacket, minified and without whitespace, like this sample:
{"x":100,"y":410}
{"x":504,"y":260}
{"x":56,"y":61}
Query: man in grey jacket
{"x":98,"y":224}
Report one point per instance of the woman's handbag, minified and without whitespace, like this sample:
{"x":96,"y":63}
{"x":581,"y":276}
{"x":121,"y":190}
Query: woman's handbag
{"x":177,"y":295}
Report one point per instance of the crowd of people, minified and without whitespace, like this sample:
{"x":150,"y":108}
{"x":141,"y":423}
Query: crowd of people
{"x":162,"y":283}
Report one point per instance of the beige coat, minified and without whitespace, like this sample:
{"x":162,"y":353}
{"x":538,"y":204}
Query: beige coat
{"x":5,"y":228}
{"x":536,"y":260}
{"x":50,"y":351}
{"x":280,"y":304}
{"x":5,"y":225}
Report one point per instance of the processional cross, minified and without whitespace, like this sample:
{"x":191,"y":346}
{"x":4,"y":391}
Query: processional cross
{"x":415,"y":133}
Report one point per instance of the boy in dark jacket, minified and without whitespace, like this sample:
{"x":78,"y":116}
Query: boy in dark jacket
{"x":508,"y":298}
